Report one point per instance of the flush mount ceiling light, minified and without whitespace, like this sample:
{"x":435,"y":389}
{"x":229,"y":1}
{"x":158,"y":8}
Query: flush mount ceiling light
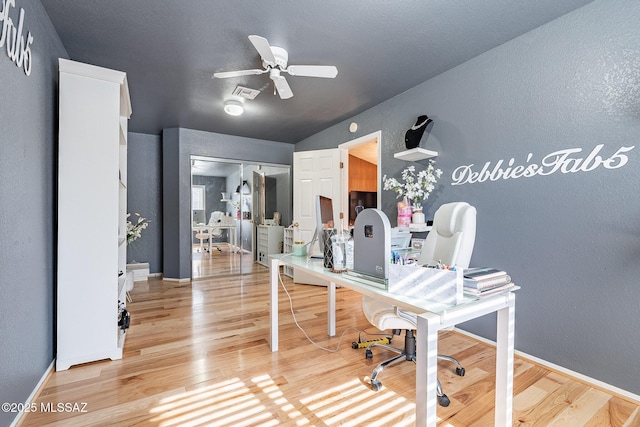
{"x":233,"y":108}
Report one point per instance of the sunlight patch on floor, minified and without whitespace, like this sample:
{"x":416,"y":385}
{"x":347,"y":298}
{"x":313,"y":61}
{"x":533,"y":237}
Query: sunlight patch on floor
{"x":234,"y":402}
{"x":227,"y":403}
{"x":355,"y":402}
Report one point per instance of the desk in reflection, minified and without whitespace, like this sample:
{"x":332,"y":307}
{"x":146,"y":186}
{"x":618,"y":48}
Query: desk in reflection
{"x":210,"y":229}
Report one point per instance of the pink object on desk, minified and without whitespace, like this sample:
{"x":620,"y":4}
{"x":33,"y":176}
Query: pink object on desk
{"x":404,"y":213}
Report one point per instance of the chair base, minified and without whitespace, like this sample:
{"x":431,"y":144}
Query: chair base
{"x":408,"y":354}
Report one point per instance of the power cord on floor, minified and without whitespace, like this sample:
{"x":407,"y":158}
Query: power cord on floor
{"x":305,"y":333}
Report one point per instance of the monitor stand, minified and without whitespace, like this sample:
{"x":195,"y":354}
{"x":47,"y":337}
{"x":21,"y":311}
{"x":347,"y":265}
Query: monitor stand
{"x":310,"y":254}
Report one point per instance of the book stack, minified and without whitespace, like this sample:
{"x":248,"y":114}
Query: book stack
{"x":481,"y":282}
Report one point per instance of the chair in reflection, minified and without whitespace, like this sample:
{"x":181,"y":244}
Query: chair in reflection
{"x":216,"y":218}
{"x":203,"y":235}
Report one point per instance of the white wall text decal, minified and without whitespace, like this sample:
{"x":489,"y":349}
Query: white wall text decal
{"x":565,"y":161}
{"x":18,"y":50}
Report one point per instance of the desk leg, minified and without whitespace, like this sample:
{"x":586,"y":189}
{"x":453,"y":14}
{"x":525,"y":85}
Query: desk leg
{"x":274,"y":269}
{"x":426,"y":369}
{"x":331,"y":309}
{"x":504,"y":364}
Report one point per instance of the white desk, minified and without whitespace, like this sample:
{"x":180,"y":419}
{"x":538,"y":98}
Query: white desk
{"x":432,"y":317}
{"x":233,"y":243}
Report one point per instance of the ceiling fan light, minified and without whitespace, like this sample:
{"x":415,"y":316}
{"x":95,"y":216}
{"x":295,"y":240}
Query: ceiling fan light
{"x":233,"y":108}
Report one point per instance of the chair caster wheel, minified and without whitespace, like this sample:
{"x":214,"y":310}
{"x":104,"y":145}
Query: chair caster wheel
{"x":368,"y":354}
{"x":460,"y":372}
{"x":376,"y":385}
{"x":444,"y":400}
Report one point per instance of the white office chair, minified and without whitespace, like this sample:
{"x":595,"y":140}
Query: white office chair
{"x":203,"y":236}
{"x":216,"y":218}
{"x":451,"y":242}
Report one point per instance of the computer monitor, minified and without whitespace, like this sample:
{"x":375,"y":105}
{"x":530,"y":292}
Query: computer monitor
{"x":324,"y":220}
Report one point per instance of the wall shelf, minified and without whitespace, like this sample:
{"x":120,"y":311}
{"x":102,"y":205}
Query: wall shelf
{"x":415,"y":154}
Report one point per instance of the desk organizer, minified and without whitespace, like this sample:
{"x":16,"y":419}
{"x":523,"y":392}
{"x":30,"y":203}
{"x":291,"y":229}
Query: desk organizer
{"x":443,"y":286}
{"x":299,"y":248}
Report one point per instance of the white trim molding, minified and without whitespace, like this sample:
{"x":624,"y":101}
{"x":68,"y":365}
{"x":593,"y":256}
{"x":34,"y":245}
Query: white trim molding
{"x":561,"y":369}
{"x":34,"y":394}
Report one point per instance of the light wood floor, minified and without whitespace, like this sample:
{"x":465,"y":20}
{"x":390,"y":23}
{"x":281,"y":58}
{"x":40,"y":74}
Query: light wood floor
{"x":222,"y":261}
{"x":198,"y":355}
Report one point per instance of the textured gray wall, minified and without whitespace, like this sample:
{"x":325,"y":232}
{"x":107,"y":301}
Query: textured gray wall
{"x":572,"y":241}
{"x":28,"y":175}
{"x":178,"y":147}
{"x":144,"y":195}
{"x":171,"y":186}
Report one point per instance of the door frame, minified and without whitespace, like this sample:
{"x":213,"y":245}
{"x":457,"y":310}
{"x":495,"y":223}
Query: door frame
{"x":344,"y":158}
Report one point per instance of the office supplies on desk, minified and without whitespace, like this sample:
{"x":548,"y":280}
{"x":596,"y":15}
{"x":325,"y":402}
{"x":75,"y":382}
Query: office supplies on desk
{"x":299,"y":248}
{"x":327,"y":234}
{"x":400,"y":238}
{"x":482,"y":282}
{"x":482,"y":293}
{"x":482,"y":273}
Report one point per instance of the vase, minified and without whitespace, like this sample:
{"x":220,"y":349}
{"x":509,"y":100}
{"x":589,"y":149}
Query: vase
{"x":417,"y":217}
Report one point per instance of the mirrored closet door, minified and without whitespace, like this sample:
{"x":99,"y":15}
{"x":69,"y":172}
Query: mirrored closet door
{"x":230,"y":201}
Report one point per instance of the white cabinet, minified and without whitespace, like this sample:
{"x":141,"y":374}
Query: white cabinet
{"x":269,"y":240}
{"x":298,"y":276}
{"x":94,"y":109}
{"x":287,"y":248}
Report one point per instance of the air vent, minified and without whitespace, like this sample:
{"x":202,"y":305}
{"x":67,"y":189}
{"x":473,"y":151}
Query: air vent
{"x":245,"y":92}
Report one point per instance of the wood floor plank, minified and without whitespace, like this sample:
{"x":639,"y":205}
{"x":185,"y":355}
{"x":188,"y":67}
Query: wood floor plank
{"x":198,"y":354}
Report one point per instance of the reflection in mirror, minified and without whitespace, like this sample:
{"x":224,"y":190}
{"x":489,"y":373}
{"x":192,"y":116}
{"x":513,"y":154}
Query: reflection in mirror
{"x":214,"y":227}
{"x":229,"y":206}
{"x":270,"y":210}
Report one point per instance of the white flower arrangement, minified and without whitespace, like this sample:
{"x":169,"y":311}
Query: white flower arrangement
{"x":234,"y":203}
{"x":415,"y":187}
{"x":134,"y":231}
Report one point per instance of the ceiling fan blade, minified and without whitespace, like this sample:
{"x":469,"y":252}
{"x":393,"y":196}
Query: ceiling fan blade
{"x":262,"y":46}
{"x":326,"y":71}
{"x":224,"y":75}
{"x":282,"y":86}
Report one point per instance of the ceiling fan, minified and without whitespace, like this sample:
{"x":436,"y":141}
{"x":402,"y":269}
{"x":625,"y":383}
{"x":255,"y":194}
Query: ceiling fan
{"x":274,"y":61}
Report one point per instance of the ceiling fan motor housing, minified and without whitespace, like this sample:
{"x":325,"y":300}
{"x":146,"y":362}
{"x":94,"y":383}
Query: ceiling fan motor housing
{"x":281,"y":56}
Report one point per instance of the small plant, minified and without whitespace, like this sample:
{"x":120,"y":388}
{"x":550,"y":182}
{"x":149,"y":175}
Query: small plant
{"x":134,"y":231}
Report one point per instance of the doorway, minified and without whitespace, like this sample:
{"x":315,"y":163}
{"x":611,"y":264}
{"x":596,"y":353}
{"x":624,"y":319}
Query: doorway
{"x":360,"y":187}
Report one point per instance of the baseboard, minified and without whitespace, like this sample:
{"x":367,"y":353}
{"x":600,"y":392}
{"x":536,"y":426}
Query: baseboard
{"x":564,"y":371}
{"x":186,"y":280}
{"x":34,"y":394}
